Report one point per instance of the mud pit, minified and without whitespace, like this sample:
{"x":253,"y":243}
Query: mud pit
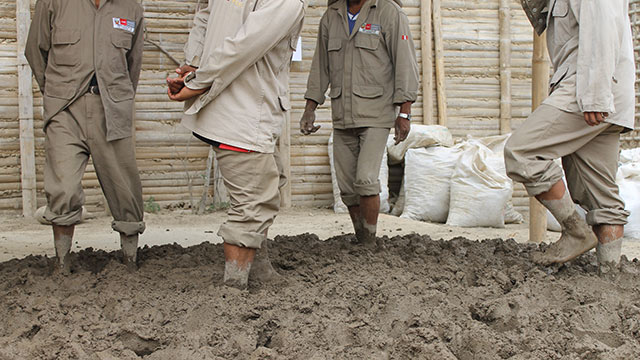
{"x":418,"y":299}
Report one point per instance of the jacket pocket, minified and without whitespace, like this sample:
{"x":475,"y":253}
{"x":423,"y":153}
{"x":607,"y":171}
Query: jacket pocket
{"x":121,"y":42}
{"x":564,"y":24}
{"x":285,"y":104}
{"x":370,"y":59}
{"x":366,"y":102}
{"x":557,"y":78}
{"x":65,"y":49}
{"x":337,"y":108}
{"x":59,"y":91}
{"x":120,"y":92}
{"x":336,"y":61}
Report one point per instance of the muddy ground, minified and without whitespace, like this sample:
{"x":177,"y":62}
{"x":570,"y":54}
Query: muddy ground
{"x":417,"y":299}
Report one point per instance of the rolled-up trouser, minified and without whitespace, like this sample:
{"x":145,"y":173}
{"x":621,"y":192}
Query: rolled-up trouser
{"x":71,"y":137}
{"x":589,"y":158}
{"x":252,"y":181}
{"x":357,"y":155}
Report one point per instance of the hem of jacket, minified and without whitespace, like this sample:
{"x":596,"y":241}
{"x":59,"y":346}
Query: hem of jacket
{"x":190,"y":125}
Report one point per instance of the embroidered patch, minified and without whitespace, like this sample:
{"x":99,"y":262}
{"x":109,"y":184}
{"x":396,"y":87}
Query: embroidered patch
{"x":370,"y":29}
{"x":124,"y":24}
{"x":405,"y":37}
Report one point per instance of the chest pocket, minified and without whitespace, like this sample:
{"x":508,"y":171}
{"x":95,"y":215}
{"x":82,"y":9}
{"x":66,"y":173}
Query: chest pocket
{"x":65,"y":43}
{"x":563,"y":22}
{"x":121,"y":41}
{"x":369,"y":50}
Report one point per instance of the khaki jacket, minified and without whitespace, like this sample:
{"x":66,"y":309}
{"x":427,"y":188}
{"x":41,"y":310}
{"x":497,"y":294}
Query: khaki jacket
{"x":243,"y":50}
{"x":70,"y":40}
{"x":591,"y":49}
{"x":370,"y":70}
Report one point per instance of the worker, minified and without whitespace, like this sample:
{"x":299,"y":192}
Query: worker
{"x":591,"y":102}
{"x":86,"y":56}
{"x":235,"y":84}
{"x":365,"y":52}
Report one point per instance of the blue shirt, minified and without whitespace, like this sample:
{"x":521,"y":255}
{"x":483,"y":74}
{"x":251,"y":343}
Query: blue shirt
{"x":352,"y":20}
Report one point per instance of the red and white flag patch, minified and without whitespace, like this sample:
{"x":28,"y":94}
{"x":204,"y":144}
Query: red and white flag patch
{"x":405,"y":37}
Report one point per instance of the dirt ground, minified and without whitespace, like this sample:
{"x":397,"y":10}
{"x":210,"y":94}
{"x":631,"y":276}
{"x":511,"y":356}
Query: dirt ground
{"x":419,"y":298}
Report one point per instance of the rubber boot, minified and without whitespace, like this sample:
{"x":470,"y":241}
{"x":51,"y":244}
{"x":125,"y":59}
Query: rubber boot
{"x":62,"y":238}
{"x":129,"y":247}
{"x":262,"y":269}
{"x":358,"y":227}
{"x":235,"y":275}
{"x":608,"y":255}
{"x":577,"y":237}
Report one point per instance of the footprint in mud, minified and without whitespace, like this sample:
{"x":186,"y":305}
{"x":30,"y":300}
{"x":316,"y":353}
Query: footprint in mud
{"x":138,"y":344}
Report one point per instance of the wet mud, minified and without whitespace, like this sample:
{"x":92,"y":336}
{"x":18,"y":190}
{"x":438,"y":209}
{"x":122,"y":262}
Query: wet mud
{"x":415,"y":299}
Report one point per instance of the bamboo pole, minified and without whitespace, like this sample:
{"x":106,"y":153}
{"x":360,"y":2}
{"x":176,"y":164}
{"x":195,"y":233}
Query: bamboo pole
{"x":207,"y":181}
{"x":25,"y":105}
{"x":427,"y":62}
{"x":285,"y":158}
{"x":505,"y":66}
{"x":540,"y":85}
{"x":439,"y":50}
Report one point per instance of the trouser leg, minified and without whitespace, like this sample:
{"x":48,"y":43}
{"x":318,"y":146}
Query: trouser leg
{"x":117,"y":171}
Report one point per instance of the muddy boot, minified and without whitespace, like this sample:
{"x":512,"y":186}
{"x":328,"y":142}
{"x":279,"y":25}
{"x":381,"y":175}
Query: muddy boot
{"x":62,"y":238}
{"x":129,"y":246}
{"x":358,"y":228}
{"x":235,"y":275}
{"x":262,"y":269}
{"x":577,"y":237}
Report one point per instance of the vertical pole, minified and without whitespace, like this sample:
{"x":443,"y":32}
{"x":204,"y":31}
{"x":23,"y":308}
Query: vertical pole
{"x":285,"y":158}
{"x":505,"y":66}
{"x":439,"y":50}
{"x":427,"y":62}
{"x":25,"y":111}
{"x":540,"y":86}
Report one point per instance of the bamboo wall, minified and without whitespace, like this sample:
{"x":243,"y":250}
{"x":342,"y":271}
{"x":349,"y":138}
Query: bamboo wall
{"x":172,"y":164}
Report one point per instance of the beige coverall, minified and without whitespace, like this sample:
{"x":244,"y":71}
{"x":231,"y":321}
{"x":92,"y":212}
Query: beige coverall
{"x":69,"y":42}
{"x":243,"y":51}
{"x":371,"y":71}
{"x":591,"y":50}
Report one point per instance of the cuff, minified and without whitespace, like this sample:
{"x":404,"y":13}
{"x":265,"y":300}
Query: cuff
{"x":128,"y":228}
{"x":315,"y":96}
{"x":241,"y":238}
{"x":401,"y":97}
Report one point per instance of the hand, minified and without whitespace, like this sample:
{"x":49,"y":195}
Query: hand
{"x":595,"y":118}
{"x":306,"y":123}
{"x":402,"y":127}
{"x":185,"y":94}
{"x":176,"y":84}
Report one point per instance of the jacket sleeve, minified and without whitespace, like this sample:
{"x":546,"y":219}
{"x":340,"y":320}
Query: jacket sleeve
{"x":194,"y":46}
{"x":405,"y":64}
{"x":598,"y":50}
{"x":134,"y":56}
{"x":262,"y":30}
{"x":39,"y":41}
{"x":319,"y":79}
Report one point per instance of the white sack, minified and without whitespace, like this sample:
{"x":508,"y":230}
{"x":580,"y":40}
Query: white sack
{"x":338,"y":206}
{"x":427,"y":176}
{"x":479,"y":193}
{"x":628,"y":179}
{"x":420,"y":136}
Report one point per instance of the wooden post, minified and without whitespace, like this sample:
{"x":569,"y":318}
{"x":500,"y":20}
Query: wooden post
{"x":505,"y":66}
{"x":25,"y":111}
{"x":439,"y":50}
{"x":285,"y":158}
{"x":540,"y":86}
{"x":427,"y":62}
{"x":207,"y":182}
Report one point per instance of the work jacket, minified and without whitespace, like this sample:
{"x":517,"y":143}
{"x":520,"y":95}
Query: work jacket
{"x":370,"y":70}
{"x":591,"y":49}
{"x":242,"y":49}
{"x":71,"y":40}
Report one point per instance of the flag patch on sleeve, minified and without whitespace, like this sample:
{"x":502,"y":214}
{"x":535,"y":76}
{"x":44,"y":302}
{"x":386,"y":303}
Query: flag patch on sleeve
{"x":124,"y":24}
{"x":405,"y":37}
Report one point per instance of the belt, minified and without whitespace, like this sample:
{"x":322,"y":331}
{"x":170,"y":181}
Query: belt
{"x":94,"y":90}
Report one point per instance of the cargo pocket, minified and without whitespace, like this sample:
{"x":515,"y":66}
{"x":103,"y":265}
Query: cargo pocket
{"x":122,"y":43}
{"x":336,"y":61}
{"x":557,"y":78}
{"x":285,"y":104}
{"x":337,"y":107}
{"x":366,"y":102}
{"x":65,"y":49}
{"x":60,"y":91}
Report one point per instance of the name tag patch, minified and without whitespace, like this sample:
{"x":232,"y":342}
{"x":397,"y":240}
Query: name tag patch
{"x":124,"y":24}
{"x":370,"y":29}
